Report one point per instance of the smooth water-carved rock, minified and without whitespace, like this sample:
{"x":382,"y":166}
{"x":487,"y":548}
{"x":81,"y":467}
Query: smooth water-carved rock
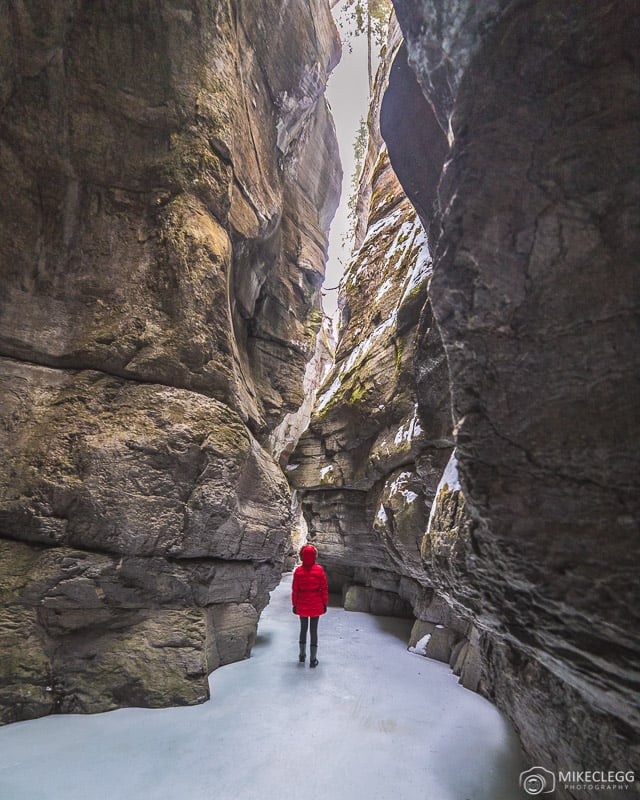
{"x":535,"y":247}
{"x":174,"y":171}
{"x":161,"y":229}
{"x":375,"y":601}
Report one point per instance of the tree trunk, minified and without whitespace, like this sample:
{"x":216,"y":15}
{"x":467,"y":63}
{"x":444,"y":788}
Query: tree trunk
{"x":369,"y":47}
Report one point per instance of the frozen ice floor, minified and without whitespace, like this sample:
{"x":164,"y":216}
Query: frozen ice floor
{"x":373,"y":722}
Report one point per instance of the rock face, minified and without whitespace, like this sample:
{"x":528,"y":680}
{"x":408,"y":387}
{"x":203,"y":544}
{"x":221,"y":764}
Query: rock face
{"x":367,"y":468}
{"x":535,"y":246}
{"x":173,"y":171}
{"x":370,"y":465}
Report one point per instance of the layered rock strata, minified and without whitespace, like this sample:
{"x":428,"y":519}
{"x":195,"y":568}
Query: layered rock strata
{"x":173,"y":171}
{"x":367,"y":467}
{"x":534,"y":237}
{"x":370,"y":465}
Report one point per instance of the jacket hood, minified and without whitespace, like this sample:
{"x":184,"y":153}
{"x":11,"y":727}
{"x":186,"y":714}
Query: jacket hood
{"x":308,"y":555}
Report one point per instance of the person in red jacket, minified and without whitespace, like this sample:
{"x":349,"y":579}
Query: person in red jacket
{"x":310,"y":598}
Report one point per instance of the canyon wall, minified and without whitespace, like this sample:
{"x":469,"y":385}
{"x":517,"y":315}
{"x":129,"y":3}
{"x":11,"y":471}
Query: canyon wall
{"x":368,"y":468}
{"x":528,"y":188}
{"x":509,"y":330}
{"x":170,"y":172}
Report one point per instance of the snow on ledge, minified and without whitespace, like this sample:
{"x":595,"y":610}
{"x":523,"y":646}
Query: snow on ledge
{"x":450,"y":479}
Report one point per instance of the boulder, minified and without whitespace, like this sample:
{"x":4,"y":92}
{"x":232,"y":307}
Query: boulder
{"x":374,"y":601}
{"x":139,"y":545}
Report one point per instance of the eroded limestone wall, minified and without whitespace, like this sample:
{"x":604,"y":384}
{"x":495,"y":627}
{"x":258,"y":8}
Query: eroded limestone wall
{"x":169,"y":171}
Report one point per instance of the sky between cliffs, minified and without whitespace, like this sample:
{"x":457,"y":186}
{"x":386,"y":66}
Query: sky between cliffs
{"x":348,"y":96}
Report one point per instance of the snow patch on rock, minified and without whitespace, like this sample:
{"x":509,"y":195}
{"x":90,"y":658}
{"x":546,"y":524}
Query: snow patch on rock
{"x":398,"y":486}
{"x":449,"y":479}
{"x":420,"y":648}
{"x":423,"y":267}
{"x":384,"y":288}
{"x":325,"y":398}
{"x":413,"y":429}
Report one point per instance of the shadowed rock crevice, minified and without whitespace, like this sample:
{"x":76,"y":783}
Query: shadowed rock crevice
{"x":406,"y":117}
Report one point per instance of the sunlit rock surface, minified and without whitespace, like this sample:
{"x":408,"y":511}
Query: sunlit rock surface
{"x":173,"y":176}
{"x":535,"y":250}
{"x":285,"y":436}
{"x":173,"y":170}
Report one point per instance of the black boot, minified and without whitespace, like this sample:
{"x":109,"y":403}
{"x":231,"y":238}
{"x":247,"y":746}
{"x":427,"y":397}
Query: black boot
{"x":303,"y":652}
{"x":314,"y":653}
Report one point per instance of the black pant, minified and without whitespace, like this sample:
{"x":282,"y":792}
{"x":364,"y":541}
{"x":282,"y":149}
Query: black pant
{"x":304,"y":625}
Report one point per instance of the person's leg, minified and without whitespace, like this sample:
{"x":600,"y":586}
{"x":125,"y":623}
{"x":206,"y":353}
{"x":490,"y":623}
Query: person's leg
{"x":314,"y":641}
{"x":314,"y":631}
{"x":304,"y":625}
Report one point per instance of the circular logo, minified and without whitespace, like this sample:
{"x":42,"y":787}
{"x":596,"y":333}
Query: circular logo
{"x":534,"y":784}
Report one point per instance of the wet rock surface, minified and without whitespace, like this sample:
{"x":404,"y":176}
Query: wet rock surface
{"x":535,"y":248}
{"x":174,"y":170}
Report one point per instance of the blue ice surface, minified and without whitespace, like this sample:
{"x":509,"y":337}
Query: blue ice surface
{"x":371,"y":721}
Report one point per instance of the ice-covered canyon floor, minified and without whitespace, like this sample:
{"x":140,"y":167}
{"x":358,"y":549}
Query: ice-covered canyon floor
{"x":372,"y":721}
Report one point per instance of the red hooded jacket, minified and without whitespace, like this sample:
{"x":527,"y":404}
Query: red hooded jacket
{"x":310,"y":592}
